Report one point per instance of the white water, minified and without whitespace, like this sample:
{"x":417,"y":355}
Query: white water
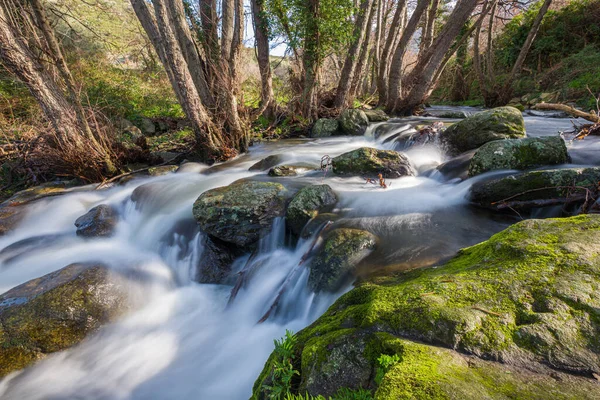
{"x":182,"y":342}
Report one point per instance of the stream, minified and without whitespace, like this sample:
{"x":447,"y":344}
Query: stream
{"x":181,"y":341}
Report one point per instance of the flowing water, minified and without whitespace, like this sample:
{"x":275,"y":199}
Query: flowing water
{"x":182,"y":341}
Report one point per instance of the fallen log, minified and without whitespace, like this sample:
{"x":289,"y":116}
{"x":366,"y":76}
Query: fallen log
{"x":593,"y":117}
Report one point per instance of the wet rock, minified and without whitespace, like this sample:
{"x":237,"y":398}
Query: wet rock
{"x":325,"y":127}
{"x":335,"y":262}
{"x":476,"y":130}
{"x":240,"y":213}
{"x":283,"y":170}
{"x":512,"y":317}
{"x":166,"y":156}
{"x":386,"y":129}
{"x":216,"y":261}
{"x":520,"y":154}
{"x":353,"y":122}
{"x":376,"y":115}
{"x":56,"y":311}
{"x":307,"y":203}
{"x":531,"y":189}
{"x":452,"y":115}
{"x":457,"y":167}
{"x":267,"y":163}
{"x":25,"y":247}
{"x":317,"y":223}
{"x":369,"y":162}
{"x":147,"y":126}
{"x":100,"y":221}
{"x":162,"y":170}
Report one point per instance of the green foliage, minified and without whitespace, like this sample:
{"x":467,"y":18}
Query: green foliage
{"x":342,"y":394}
{"x":385,"y":362}
{"x":283,"y":369}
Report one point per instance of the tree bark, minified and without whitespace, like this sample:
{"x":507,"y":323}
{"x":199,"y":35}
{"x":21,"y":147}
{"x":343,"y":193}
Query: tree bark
{"x":429,"y":28}
{"x":384,"y":61}
{"x":395,"y":76}
{"x":353,"y":57}
{"x":311,"y":62}
{"x":261,"y":34}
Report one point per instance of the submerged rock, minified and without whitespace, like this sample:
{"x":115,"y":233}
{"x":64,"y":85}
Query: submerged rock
{"x":56,"y":311}
{"x":317,"y":223}
{"x":100,"y":221}
{"x":288,"y":170}
{"x":519,"y":154}
{"x":325,"y":127}
{"x":369,"y":162}
{"x":533,"y":188}
{"x":376,"y":115}
{"x":240,"y":213}
{"x":162,"y":170}
{"x":267,"y":163}
{"x":513,"y":317}
{"x":334,"y":264}
{"x":353,"y":122}
{"x":476,"y":130}
{"x":307,"y":203}
{"x":457,"y":167}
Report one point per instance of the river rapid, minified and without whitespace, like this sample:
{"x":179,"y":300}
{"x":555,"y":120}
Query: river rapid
{"x":182,"y":341}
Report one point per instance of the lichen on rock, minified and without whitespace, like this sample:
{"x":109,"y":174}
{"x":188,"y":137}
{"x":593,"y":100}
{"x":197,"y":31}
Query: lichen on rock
{"x":369,"y":162}
{"x":307,"y":203}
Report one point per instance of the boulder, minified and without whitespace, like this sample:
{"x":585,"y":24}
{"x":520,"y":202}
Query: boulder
{"x":536,"y":188}
{"x":147,"y":126}
{"x":100,"y":221}
{"x":520,"y":154}
{"x":369,"y":162}
{"x":307,"y":203}
{"x":267,"y":163}
{"x":376,"y":115}
{"x":240,"y":213}
{"x":216,"y":261}
{"x":162,"y":170}
{"x":325,"y":127}
{"x":512,"y":317}
{"x":284,"y":170}
{"x":335,"y":262}
{"x":452,"y":115}
{"x":353,"y":122}
{"x":457,"y":167}
{"x":56,"y":311}
{"x":483,"y":127}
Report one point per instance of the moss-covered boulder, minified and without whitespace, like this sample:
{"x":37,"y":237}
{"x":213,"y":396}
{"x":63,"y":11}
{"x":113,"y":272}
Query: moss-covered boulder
{"x":376,"y":115}
{"x":266,"y":163}
{"x":100,"y":221}
{"x":353,"y":122}
{"x":526,"y":300}
{"x":475,"y":131}
{"x":335,"y":262}
{"x":56,"y":311}
{"x":307,"y":203}
{"x":520,"y":154}
{"x":369,"y":162}
{"x":325,"y":127}
{"x":536,"y":188}
{"x":240,"y":213}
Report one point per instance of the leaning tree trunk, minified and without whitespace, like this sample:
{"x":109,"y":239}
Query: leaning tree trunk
{"x":20,"y":61}
{"x":395,"y":76}
{"x":261,"y":35}
{"x":388,"y":48}
{"x":353,"y":57}
{"x":311,"y":62}
{"x":421,"y":81}
{"x":507,"y":90}
{"x":429,"y":28}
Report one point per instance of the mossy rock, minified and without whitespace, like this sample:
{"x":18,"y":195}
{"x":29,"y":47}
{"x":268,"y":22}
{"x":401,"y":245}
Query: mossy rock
{"x":335,"y":262}
{"x":325,"y":127}
{"x":240,"y":213}
{"x":267,"y":163}
{"x":100,"y":221}
{"x":531,"y":186}
{"x":369,"y":162}
{"x":56,"y":311}
{"x":376,"y":115}
{"x":520,"y":154}
{"x":288,"y":170}
{"x":307,"y":203}
{"x":527,"y":298}
{"x":476,"y":130}
{"x":162,"y":170}
{"x":353,"y":122}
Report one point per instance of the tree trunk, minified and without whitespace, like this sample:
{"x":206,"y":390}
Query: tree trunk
{"x":429,"y":28}
{"x":384,"y":61}
{"x":311,"y":63}
{"x":261,"y":34}
{"x":395,"y":77}
{"x":353,"y":57}
{"x":363,"y":60}
{"x":420,"y":82}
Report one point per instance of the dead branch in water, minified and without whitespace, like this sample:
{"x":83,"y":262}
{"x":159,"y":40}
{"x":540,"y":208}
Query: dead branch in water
{"x":593,"y":117}
{"x":293,"y":273}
